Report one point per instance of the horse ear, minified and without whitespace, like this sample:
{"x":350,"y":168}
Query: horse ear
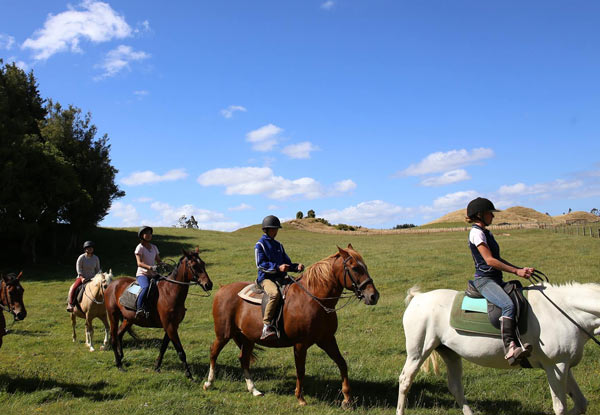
{"x":350,"y":247}
{"x":197,"y":249}
{"x":185,"y":253}
{"x":20,"y":275}
{"x":110,"y":272}
{"x":343,"y":252}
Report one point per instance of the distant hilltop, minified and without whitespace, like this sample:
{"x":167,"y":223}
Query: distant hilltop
{"x":520,"y":214}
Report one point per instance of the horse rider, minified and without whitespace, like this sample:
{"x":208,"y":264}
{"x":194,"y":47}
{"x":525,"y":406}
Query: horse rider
{"x":488,"y":274}
{"x":87,"y":266}
{"x":273,"y":264}
{"x":146,"y":256}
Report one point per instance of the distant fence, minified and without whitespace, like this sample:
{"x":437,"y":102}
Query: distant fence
{"x":591,"y":229}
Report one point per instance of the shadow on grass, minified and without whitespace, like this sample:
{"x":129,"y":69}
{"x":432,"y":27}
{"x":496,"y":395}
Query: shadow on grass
{"x":29,"y":385}
{"x":27,"y":333}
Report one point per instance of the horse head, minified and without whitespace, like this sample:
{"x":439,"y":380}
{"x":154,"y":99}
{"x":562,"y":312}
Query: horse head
{"x":356,"y":276}
{"x":107,"y":278}
{"x":197,"y":268}
{"x":11,"y":295}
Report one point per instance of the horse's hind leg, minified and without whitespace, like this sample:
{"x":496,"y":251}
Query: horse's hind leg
{"x":246,"y":347}
{"x":575,"y":393}
{"x":215,"y":349}
{"x":333,"y":351}
{"x":174,"y":336}
{"x":89,"y":332}
{"x":454,"y":364}
{"x":73,"y":324}
{"x":300,"y":359}
{"x":163,"y":348}
{"x":557,"y":379}
{"x":106,"y":328}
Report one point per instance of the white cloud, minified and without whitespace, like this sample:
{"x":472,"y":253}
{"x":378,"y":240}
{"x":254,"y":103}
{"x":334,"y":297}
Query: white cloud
{"x":454,"y":201}
{"x":273,"y":207}
{"x":240,"y":207}
{"x":143,"y":200}
{"x":452,"y":176}
{"x":145,"y":177}
{"x":300,"y":150}
{"x":6,"y":41}
{"x":344,"y":186}
{"x":228,"y":112}
{"x":443,"y":162}
{"x":374,"y":212}
{"x":142,"y":27}
{"x":141,"y":93}
{"x":96,"y":22}
{"x":118,"y":59}
{"x":19,"y":64}
{"x":207,"y":219}
{"x":126,"y":212}
{"x":557,"y":186}
{"x":262,"y":180}
{"x":264,"y":138}
{"x":328,"y":5}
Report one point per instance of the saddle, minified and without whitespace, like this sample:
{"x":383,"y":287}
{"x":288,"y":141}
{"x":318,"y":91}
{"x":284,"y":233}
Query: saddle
{"x":129,"y":297}
{"x":254,"y":294}
{"x":472,"y":313}
{"x":79,"y":291}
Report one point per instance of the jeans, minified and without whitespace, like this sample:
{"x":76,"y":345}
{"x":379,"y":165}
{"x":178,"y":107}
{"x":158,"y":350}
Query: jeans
{"x":495,"y":294}
{"x":144,"y":283}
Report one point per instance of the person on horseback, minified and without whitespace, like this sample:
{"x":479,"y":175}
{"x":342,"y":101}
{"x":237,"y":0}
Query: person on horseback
{"x":147,"y":256}
{"x":488,"y":274}
{"x":87,"y":266}
{"x":273,"y":264}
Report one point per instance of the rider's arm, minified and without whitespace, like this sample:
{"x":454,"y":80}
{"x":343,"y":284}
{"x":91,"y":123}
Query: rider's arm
{"x":485,"y":252}
{"x":262,"y":261}
{"x":140,"y":263}
{"x":79,"y":267}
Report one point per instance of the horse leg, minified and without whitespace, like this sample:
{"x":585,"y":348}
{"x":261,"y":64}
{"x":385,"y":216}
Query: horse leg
{"x":246,"y":347}
{"x":89,"y":332}
{"x":163,"y":348}
{"x":117,"y":341}
{"x":174,"y":336}
{"x":106,"y":326}
{"x":73,"y":324}
{"x":575,"y":393}
{"x":300,"y":359}
{"x":415,"y":356}
{"x":333,"y":351}
{"x":454,"y":363}
{"x":215,"y":349}
{"x":557,"y":378}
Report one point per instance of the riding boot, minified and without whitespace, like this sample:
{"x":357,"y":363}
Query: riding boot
{"x":512,"y":352}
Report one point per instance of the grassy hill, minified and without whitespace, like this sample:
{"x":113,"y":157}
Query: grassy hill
{"x":43,"y":371}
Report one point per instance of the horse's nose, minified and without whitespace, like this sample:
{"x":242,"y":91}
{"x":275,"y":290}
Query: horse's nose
{"x":21,"y":315}
{"x":208,"y":285}
{"x":372,"y":298}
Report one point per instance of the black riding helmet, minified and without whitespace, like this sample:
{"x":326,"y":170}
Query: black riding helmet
{"x":88,"y":244}
{"x":480,"y":206}
{"x":144,"y":229}
{"x":271,"y":222}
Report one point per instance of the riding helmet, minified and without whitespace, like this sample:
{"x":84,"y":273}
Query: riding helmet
{"x":271,"y":222}
{"x":144,"y":229}
{"x":88,"y":244}
{"x":480,"y":205}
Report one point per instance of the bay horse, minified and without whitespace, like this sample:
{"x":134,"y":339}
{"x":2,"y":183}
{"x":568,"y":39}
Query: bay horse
{"x":167,"y":313}
{"x":92,"y":306}
{"x":308,"y":314}
{"x":11,"y":300}
{"x":556,"y":339}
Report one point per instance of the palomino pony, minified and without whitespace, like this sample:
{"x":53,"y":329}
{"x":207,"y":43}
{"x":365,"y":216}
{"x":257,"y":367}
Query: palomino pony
{"x":11,"y":300}
{"x":167,"y":312}
{"x":92,"y":306}
{"x":557,"y":341}
{"x":308,"y":314}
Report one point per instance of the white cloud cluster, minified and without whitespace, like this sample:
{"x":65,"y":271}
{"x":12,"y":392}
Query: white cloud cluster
{"x":521,"y":189}
{"x":300,"y":151}
{"x":141,"y":93}
{"x":449,"y":164}
{"x":207,"y":219}
{"x":454,"y":201}
{"x":127,"y":213}
{"x":264,"y":138}
{"x":373,"y":212}
{"x":147,"y":177}
{"x":228,"y":112}
{"x":328,"y":5}
{"x":240,"y":207}
{"x":118,"y":59}
{"x":6,"y":41}
{"x":262,"y":180}
{"x":96,"y":21}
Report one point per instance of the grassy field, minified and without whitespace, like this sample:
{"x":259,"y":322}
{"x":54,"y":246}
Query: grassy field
{"x":43,"y":371}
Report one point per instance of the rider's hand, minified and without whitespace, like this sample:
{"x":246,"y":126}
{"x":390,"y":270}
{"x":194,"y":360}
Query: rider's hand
{"x":153,"y":268}
{"x":525,"y":272}
{"x":284,"y":268}
{"x":300,"y":267}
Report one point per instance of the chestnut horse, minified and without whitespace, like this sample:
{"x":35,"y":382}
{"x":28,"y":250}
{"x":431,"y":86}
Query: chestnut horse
{"x":308,"y":314}
{"x":167,"y":312}
{"x":11,"y":300}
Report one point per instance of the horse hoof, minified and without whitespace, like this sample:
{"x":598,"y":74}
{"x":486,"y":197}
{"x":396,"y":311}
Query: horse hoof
{"x":157,"y":369}
{"x":102,"y":348}
{"x":346,"y":405}
{"x":302,"y":402}
{"x":256,"y":392}
{"x":206,"y":386}
{"x":92,"y":349}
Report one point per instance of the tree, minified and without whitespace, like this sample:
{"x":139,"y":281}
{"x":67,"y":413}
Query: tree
{"x":595,"y":211}
{"x":569,"y":210}
{"x":299,"y":215}
{"x":310,"y":214}
{"x":184,"y":222}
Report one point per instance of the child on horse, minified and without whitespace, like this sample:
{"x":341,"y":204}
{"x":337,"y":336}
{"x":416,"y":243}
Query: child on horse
{"x":146,"y":256}
{"x":488,"y":274}
{"x":87,"y":266}
{"x":272,"y":263}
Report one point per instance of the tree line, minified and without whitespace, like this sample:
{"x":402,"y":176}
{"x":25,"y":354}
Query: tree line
{"x":56,"y":176}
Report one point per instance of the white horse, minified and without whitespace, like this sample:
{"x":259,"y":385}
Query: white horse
{"x":93,"y":307}
{"x":557,"y":342}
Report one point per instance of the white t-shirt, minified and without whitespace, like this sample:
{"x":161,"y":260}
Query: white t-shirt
{"x":148,"y":256}
{"x":477,"y":237}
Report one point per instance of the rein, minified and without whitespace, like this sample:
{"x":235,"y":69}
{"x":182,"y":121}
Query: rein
{"x":195,"y":280}
{"x":93,"y":299}
{"x":537,"y":278}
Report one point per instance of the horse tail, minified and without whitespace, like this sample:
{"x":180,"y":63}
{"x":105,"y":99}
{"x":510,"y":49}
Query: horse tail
{"x":411,"y":293}
{"x":433,"y":362}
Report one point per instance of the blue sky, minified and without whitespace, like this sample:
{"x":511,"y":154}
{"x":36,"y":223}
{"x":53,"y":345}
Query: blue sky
{"x":371,"y":113}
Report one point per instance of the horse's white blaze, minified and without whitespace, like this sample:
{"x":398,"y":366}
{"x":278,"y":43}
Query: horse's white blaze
{"x":557,"y":342}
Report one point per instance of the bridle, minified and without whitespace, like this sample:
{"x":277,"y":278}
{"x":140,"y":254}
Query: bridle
{"x":195,"y":280}
{"x":356,"y":287}
{"x":93,"y":299}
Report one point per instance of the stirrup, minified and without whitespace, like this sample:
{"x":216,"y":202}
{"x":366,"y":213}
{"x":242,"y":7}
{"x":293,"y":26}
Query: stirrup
{"x":268,"y":331}
{"x":141,"y":312}
{"x":515,"y":354}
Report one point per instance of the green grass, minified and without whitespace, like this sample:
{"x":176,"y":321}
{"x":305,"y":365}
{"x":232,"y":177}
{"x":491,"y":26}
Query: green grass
{"x":43,"y":371}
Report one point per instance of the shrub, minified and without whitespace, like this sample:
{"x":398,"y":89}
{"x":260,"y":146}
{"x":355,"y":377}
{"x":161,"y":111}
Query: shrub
{"x":404,"y":226}
{"x":299,"y":215}
{"x":344,"y":227}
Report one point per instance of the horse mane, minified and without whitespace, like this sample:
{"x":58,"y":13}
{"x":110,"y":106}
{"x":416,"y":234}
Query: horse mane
{"x":575,"y":286}
{"x":319,"y":274}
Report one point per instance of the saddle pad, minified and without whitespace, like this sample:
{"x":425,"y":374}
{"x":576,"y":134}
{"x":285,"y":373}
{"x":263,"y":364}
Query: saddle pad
{"x":248,"y":293}
{"x":477,"y":322}
{"x":129,"y":297}
{"x":474,"y":304}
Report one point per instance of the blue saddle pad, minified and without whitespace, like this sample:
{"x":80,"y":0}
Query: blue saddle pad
{"x":474,"y":304}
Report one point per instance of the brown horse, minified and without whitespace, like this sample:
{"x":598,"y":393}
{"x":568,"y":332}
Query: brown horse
{"x":11,"y":300}
{"x":308,"y":314}
{"x":168,"y":311}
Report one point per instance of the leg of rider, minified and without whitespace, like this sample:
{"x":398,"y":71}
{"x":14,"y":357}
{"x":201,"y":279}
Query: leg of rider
{"x":142,"y":280}
{"x":74,"y":286}
{"x":271,"y":289}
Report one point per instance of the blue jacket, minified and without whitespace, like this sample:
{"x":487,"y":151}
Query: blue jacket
{"x":269,"y":255}
{"x":482,"y":269}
